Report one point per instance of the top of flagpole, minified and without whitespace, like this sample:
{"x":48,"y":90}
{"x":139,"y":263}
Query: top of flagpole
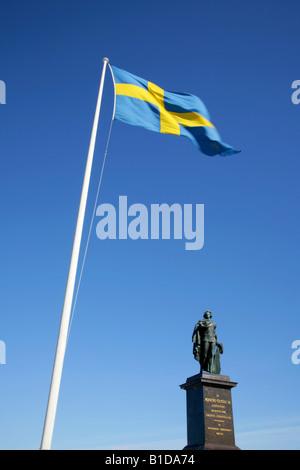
{"x":105,"y":59}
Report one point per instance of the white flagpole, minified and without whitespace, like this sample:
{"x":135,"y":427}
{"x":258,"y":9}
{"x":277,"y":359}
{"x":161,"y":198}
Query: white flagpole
{"x":65,"y":318}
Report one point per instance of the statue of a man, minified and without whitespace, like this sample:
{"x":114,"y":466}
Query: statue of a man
{"x":205,"y":344}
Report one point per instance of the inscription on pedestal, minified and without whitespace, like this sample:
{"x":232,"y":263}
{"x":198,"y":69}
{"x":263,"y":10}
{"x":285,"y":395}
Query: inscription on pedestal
{"x":218,"y":416}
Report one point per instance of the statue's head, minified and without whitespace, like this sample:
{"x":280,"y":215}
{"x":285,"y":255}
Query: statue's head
{"x":207,"y":315}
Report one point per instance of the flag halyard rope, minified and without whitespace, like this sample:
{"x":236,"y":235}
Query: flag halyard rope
{"x":90,"y":229}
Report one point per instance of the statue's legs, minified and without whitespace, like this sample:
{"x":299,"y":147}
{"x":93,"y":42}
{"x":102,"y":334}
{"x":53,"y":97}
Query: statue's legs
{"x":208,"y":355}
{"x":204,"y":355}
{"x":211,"y":356}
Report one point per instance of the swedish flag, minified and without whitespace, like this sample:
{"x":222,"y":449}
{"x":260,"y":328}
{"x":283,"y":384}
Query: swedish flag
{"x":142,"y":103}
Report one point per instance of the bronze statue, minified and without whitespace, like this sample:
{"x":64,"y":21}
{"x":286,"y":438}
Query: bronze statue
{"x":206,"y":348}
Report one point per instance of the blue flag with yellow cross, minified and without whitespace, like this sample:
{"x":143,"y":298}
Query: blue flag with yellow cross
{"x":142,"y":103}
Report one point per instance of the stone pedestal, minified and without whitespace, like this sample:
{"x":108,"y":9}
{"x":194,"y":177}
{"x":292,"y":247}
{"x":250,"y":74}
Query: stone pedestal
{"x":209,"y":412}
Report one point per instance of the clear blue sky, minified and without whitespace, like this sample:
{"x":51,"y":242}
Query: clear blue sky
{"x":130,"y":345}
